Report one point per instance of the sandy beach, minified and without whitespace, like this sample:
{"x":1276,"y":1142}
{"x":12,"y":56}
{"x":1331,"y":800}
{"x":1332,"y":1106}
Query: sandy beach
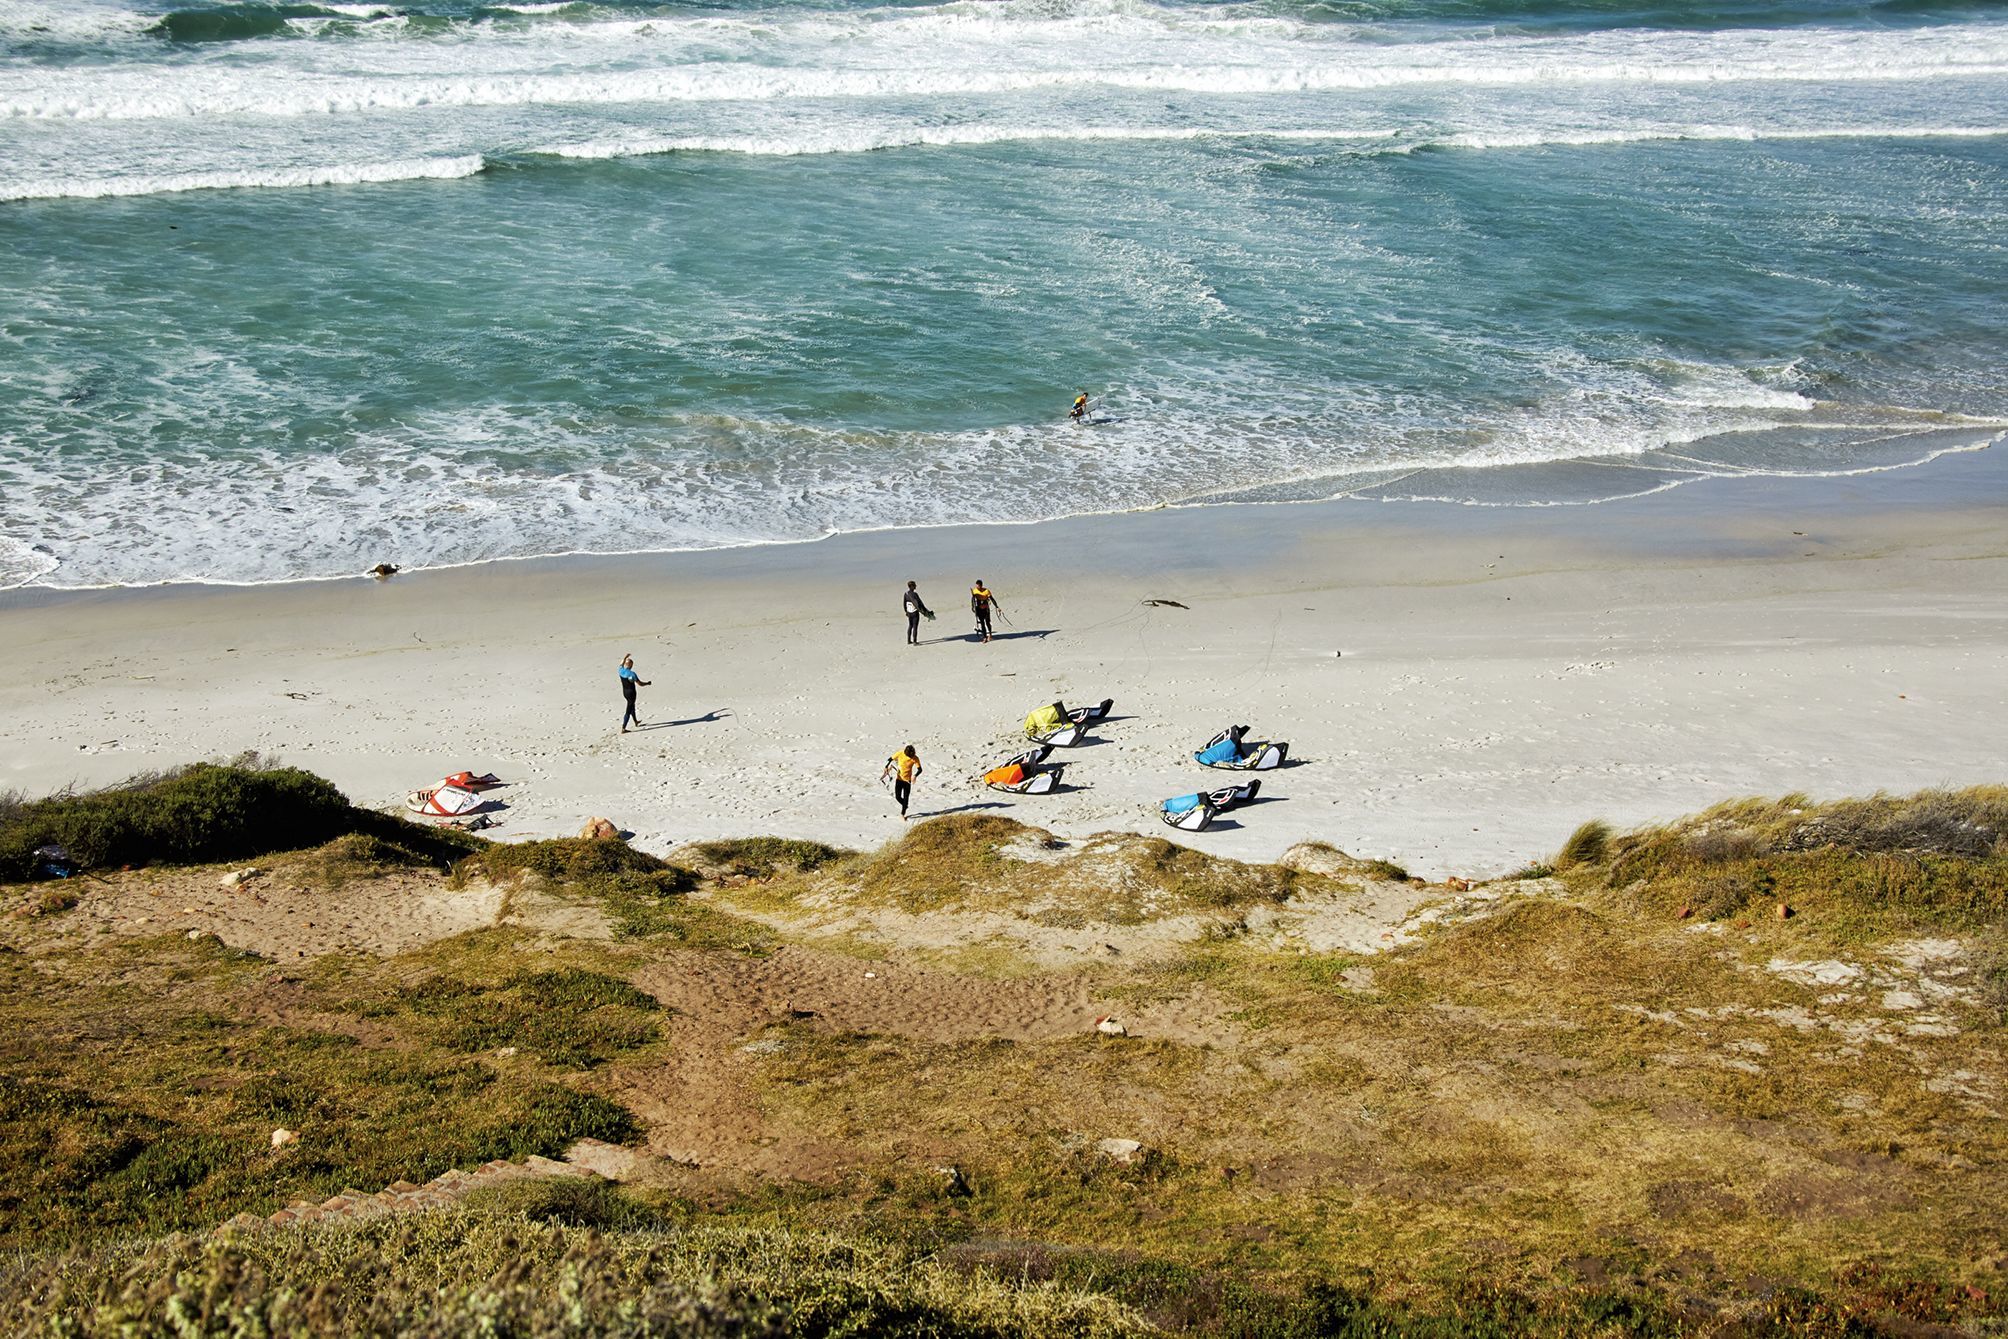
{"x":1460,"y":685}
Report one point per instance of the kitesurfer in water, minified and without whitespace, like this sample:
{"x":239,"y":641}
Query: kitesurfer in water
{"x":1080,"y":409}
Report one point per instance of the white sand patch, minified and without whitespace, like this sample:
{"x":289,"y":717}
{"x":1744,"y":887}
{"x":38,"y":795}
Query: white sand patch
{"x":1824,"y":972}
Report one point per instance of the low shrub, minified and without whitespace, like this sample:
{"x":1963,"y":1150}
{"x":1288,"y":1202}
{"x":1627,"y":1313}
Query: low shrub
{"x":215,"y":812}
{"x":572,"y":860}
{"x":78,"y":1163}
{"x":761,"y":857}
{"x":640,"y":891}
{"x":565,"y":1201}
{"x":205,"y":812}
{"x":1971,"y":823}
{"x":371,"y":851}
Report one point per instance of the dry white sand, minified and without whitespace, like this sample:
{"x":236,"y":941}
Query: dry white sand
{"x":1506,"y":673}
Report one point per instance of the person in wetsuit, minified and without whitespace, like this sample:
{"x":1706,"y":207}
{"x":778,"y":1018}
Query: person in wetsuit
{"x":629,"y":682}
{"x":903,"y":767}
{"x":915,"y":607}
{"x":981,"y":601}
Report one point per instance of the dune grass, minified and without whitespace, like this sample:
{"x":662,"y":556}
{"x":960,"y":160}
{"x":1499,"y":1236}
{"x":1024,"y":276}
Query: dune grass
{"x":1571,"y":1111}
{"x":643,"y":893}
{"x":757,"y":857}
{"x":1937,"y":860}
{"x":139,"y":1086}
{"x":974,"y":862}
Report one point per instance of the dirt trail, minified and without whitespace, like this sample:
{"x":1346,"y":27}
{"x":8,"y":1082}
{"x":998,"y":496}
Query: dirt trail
{"x":701,"y":1102}
{"x":286,"y":914}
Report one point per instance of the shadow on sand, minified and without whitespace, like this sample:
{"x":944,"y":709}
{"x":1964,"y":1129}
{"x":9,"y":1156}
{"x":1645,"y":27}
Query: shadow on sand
{"x":962,"y":808}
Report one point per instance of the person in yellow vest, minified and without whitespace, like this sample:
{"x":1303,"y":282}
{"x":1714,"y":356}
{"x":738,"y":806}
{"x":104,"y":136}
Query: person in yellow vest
{"x":902,"y":769}
{"x":981,"y":601}
{"x":1080,"y":409}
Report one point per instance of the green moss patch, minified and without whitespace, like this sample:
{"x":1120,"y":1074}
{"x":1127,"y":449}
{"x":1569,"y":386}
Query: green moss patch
{"x":569,"y":1018}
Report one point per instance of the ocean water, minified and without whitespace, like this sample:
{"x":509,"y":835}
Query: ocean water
{"x":290,"y":289}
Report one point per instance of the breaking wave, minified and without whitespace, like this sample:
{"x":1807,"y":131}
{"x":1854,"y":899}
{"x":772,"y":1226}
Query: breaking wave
{"x":935,"y":53}
{"x":347,"y":175}
{"x":1382,"y":141}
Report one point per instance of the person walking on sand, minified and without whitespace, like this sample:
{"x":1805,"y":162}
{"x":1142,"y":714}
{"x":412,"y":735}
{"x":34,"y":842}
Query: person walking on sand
{"x":915,"y":607}
{"x":981,"y":601}
{"x":901,"y":769}
{"x":629,"y":682}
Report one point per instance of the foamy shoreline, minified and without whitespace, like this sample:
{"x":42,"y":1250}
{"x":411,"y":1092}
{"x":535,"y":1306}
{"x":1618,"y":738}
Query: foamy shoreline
{"x":1462,"y":685}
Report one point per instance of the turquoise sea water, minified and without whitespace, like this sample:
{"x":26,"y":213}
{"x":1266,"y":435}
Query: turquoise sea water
{"x":290,"y":290}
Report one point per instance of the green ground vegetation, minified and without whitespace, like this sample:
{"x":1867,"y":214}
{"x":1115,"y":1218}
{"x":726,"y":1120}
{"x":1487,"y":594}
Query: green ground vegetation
{"x":974,"y":862}
{"x":140,"y":1084}
{"x":205,"y":812}
{"x":1625,"y":1097}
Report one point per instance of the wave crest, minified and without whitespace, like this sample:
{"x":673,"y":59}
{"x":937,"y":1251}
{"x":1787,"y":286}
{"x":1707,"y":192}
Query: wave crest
{"x":351,"y":174}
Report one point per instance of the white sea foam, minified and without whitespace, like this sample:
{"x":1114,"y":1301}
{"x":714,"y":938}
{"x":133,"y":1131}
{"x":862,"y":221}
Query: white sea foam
{"x":874,"y":139}
{"x":341,"y":174}
{"x":435,"y":493}
{"x":24,"y":564}
{"x":1748,"y":134}
{"x":133,"y":95}
{"x":930,"y":55}
{"x":870,"y":140}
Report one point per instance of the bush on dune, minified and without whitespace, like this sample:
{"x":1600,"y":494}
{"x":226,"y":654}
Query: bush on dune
{"x":1938,"y":857}
{"x":760,"y":857}
{"x":205,"y":812}
{"x":211,"y":812}
{"x":640,"y":890}
{"x":214,"y":812}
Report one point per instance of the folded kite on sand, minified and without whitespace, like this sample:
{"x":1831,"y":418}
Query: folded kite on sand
{"x":1188,"y":813}
{"x":1233,"y":797}
{"x":1229,"y":750}
{"x":443,"y":802}
{"x":1196,"y":812}
{"x":1026,"y":774}
{"x":1057,"y":725}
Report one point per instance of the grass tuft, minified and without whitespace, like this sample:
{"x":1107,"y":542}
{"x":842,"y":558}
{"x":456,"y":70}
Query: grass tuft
{"x":1586,"y":845}
{"x":758,"y":857}
{"x":641,"y":892}
{"x":533,"y":1274}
